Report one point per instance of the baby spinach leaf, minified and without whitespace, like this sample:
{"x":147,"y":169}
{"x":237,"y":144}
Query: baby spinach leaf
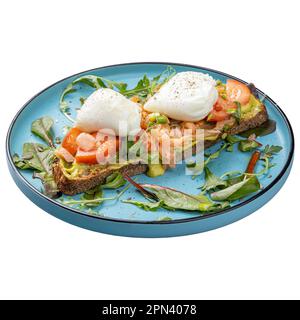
{"x":238,"y":190}
{"x":42,"y":128}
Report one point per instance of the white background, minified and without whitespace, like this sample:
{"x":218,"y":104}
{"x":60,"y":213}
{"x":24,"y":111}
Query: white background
{"x":44,"y":41}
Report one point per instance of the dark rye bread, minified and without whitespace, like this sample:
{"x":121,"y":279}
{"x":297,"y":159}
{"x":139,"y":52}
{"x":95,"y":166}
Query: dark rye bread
{"x":86,"y":182}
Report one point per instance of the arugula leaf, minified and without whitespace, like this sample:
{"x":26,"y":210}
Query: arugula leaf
{"x":212,"y":181}
{"x":248,"y":145}
{"x":92,"y":198}
{"x":144,"y":87}
{"x":267,"y":154}
{"x":269,"y":151}
{"x":215,"y":154}
{"x":114,"y":181}
{"x":148,"y":206}
{"x":230,"y":148}
{"x":198,"y":168}
{"x":42,"y":128}
{"x":63,"y":105}
{"x":237,"y":190}
{"x":90,"y":80}
{"x":236,"y":113}
{"x":232,"y":139}
{"x":94,"y":194}
{"x":82,"y":100}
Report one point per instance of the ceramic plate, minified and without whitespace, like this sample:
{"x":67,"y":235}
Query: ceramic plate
{"x":124,"y":219}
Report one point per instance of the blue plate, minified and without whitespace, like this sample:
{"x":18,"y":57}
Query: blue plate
{"x":124,"y":219}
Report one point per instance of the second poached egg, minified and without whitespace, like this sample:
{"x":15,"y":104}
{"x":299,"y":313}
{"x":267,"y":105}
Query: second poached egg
{"x":188,"y":96}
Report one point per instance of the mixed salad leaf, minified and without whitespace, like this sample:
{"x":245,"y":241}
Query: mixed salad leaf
{"x":237,"y":190}
{"x":42,"y":128}
{"x":171,"y":199}
{"x":212,"y":181}
{"x":147,"y":206}
{"x":217,"y":192}
{"x":39,"y":157}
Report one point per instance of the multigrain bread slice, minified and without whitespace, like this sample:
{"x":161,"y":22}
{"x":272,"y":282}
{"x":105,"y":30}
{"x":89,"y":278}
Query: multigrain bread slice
{"x":91,"y":180}
{"x":71,"y":186}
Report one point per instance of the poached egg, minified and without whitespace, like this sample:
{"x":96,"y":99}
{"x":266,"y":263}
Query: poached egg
{"x":188,"y":96}
{"x":108,"y":109}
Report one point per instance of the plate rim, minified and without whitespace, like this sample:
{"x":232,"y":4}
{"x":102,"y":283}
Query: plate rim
{"x":185,"y":220}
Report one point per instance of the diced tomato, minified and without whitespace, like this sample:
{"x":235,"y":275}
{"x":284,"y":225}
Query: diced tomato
{"x":216,"y":116}
{"x":64,"y":154}
{"x":218,"y":107}
{"x":219,"y":112}
{"x":86,"y":141}
{"x":223,"y":104}
{"x":237,"y":91}
{"x":88,"y":157}
{"x":69,"y":141}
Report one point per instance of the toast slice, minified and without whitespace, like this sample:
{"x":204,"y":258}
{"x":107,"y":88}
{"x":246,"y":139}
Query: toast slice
{"x":90,"y":178}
